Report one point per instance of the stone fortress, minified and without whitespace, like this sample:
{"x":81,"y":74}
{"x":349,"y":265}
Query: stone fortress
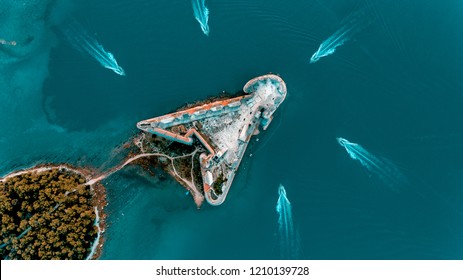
{"x":224,"y":129}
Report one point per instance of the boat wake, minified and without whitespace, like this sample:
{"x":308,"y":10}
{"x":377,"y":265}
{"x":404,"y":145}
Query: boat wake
{"x":385,"y":170}
{"x":201,"y":14}
{"x":354,"y":24}
{"x":289,"y":243}
{"x":76,"y":35}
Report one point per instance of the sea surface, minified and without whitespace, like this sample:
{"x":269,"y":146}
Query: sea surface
{"x":395,"y":87}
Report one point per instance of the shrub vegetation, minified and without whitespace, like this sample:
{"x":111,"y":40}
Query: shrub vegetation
{"x":46,"y":215}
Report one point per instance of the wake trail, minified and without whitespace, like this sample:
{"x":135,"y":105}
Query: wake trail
{"x":289,"y":245}
{"x":384,"y":169}
{"x":201,"y":13}
{"x":78,"y":38}
{"x":354,"y":24}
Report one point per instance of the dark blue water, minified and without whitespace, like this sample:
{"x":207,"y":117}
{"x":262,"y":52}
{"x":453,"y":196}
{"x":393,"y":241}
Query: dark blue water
{"x":395,"y":88}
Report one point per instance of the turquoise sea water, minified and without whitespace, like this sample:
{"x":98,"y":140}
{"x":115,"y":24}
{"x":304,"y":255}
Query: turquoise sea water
{"x":394,"y":87}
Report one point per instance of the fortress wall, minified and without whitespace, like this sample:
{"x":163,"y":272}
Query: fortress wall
{"x":187,"y":139}
{"x":249,"y":86}
{"x":203,"y":141}
{"x":171,"y":136}
{"x":219,"y":107}
{"x":195,"y":117}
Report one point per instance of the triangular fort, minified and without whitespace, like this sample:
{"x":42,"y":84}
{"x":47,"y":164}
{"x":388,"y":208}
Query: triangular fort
{"x":221,"y":131}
